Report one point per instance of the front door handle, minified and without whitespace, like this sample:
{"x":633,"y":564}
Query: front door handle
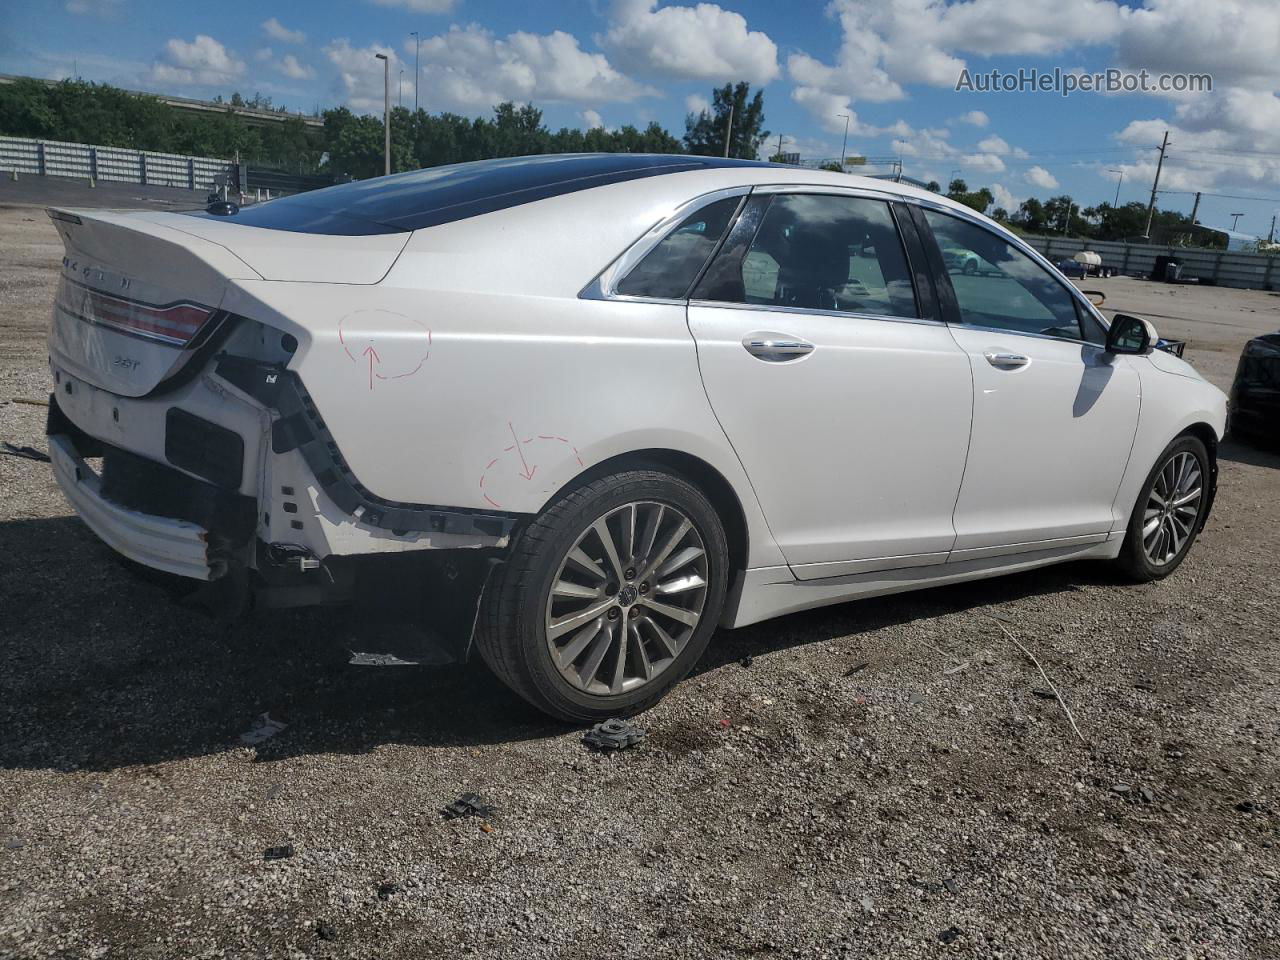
{"x":776,"y":347}
{"x":1006,"y":361}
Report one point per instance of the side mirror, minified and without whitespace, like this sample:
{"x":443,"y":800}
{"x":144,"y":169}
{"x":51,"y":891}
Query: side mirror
{"x":1131,"y":335}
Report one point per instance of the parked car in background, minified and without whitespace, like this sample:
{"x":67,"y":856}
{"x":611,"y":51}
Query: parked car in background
{"x":606,"y":403}
{"x":1255,"y":393}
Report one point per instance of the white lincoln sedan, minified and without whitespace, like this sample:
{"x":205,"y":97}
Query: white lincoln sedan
{"x":578,"y":411}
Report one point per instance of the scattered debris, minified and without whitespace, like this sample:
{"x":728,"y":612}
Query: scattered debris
{"x":950,"y":671}
{"x":467,"y":805}
{"x":1147,"y":794}
{"x":14,"y":843}
{"x":1246,"y":806}
{"x":26,"y":453}
{"x":359,"y":659}
{"x":950,"y":935}
{"x":723,"y":723}
{"x":618,"y":734}
{"x":282,"y":852}
{"x":951,"y":885}
{"x":326,"y":931}
{"x":31,"y":403}
{"x":1043,"y":694}
{"x":746,"y":661}
{"x":388,"y":890}
{"x":868,"y":904}
{"x":486,"y":827}
{"x":857,"y":668}
{"x":263,"y":730}
{"x":1146,"y":685}
{"x":1031,"y":656}
{"x":1120,"y":789}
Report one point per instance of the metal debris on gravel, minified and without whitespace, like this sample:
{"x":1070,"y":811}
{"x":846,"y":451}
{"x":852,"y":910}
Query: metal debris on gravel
{"x":614,"y":734}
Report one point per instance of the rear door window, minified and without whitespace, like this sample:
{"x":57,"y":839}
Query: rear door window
{"x":821,"y":252}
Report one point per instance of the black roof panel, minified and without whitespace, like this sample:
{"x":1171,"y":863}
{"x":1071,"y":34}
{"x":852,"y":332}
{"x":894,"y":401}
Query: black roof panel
{"x":425,"y":198}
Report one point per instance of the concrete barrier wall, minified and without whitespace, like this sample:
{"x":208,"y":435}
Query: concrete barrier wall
{"x":1250,"y":271}
{"x":87,"y":161}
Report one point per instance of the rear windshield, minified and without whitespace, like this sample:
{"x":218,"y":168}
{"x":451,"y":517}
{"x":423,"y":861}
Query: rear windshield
{"x":425,"y":198}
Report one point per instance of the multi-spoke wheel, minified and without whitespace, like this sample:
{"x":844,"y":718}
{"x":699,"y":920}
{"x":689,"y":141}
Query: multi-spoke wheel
{"x":609,"y":596}
{"x":1169,"y":511}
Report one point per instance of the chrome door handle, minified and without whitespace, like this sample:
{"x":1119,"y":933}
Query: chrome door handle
{"x":776,"y":347}
{"x":1007,"y":361}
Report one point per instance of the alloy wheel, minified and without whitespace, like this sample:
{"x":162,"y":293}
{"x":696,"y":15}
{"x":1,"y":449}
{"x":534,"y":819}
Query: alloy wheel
{"x":627,"y":597}
{"x":1173,"y":508}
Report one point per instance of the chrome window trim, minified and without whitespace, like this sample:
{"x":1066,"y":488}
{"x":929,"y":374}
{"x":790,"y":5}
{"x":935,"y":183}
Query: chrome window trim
{"x":1034,"y":336}
{"x":1019,"y":244}
{"x":605,"y":284}
{"x":812,"y":312}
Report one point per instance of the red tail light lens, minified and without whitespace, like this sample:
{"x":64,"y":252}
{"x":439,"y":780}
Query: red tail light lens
{"x":175,"y":323}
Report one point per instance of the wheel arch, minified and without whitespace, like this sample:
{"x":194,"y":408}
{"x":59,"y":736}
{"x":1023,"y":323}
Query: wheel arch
{"x":713,"y":484}
{"x":1209,"y":437}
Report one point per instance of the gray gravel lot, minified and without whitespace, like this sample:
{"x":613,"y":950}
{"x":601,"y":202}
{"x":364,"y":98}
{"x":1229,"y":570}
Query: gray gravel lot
{"x":844,"y":792}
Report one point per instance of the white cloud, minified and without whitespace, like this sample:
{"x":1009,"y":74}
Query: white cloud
{"x":276,"y":30}
{"x":975,"y":118}
{"x":203,"y":61}
{"x":703,"y":42}
{"x":360,"y":73}
{"x":1004,"y":198}
{"x":1235,"y":40}
{"x":591,"y":120}
{"x":982,"y":162}
{"x":419,"y":6}
{"x":696,"y":103}
{"x":291,"y":68}
{"x":470,"y":68}
{"x":994,"y":144}
{"x":1040,"y":177}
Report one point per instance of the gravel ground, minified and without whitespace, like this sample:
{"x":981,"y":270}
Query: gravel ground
{"x":874,"y":779}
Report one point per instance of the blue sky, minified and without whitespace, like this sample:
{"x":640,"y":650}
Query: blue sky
{"x":891,"y":65}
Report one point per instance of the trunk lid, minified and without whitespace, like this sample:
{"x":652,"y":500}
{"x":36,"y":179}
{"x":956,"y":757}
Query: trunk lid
{"x":134,"y":299}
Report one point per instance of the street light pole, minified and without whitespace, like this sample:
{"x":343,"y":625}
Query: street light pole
{"x":386,"y":110}
{"x":1118,"y":182}
{"x":400,"y":90}
{"x":417,"y":44}
{"x":1235,"y":218}
{"x":844,"y":145}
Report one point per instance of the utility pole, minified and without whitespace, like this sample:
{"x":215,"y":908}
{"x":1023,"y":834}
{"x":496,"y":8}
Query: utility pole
{"x":780,"y":160}
{"x":1067,"y":226}
{"x":1271,"y":236}
{"x":386,"y":110}
{"x":1235,"y":218}
{"x":1195,"y":208}
{"x":400,"y":91}
{"x":1155,"y":186}
{"x":728,"y":127}
{"x":845,"y":144}
{"x":417,"y":44}
{"x":1118,"y":182}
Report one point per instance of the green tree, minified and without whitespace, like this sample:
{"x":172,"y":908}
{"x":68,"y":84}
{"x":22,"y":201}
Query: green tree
{"x":978,"y":200}
{"x":704,"y":133}
{"x":933,"y":186}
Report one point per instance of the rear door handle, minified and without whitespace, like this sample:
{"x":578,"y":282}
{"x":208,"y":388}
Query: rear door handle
{"x":776,"y":347}
{"x":1006,"y":361}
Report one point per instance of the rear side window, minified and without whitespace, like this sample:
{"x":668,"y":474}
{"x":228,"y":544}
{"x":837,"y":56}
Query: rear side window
{"x":820,"y":252}
{"x":669,"y":269}
{"x":997,"y":285}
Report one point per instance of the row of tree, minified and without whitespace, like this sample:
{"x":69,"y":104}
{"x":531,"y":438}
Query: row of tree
{"x":348,"y":144}
{"x":1102,"y":222}
{"x":351,"y":145}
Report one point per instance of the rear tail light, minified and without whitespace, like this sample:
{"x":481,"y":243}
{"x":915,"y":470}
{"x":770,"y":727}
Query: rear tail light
{"x":175,"y":323}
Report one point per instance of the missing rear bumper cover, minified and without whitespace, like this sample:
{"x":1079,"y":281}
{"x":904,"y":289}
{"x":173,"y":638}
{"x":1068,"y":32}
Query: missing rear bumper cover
{"x":300,"y":427}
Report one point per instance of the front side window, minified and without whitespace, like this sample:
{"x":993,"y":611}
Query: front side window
{"x":669,"y":268}
{"x":819,"y":252}
{"x":997,"y":285}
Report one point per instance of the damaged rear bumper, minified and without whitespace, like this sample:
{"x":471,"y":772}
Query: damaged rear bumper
{"x":175,"y":546}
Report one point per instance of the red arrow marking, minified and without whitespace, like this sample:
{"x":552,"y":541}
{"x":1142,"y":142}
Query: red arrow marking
{"x":372,"y":354}
{"x":526,"y":473}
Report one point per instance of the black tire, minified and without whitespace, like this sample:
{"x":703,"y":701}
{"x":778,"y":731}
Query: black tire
{"x":1133,"y":560}
{"x":511,"y":632}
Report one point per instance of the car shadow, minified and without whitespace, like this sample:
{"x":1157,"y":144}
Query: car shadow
{"x":1255,"y":452}
{"x":105,"y":669}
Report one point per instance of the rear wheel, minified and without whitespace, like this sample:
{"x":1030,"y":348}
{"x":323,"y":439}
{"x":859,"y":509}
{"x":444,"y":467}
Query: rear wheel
{"x":1166,"y":518}
{"x":609,"y":597}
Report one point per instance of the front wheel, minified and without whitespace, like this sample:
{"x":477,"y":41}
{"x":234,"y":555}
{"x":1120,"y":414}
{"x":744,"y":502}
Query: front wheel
{"x":609,"y":597}
{"x":1168,"y":514}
